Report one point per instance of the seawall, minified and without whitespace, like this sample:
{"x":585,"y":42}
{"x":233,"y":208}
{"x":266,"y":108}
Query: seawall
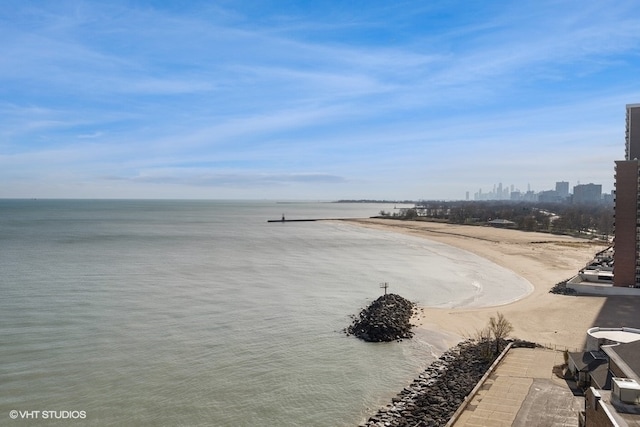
{"x":441,"y":390}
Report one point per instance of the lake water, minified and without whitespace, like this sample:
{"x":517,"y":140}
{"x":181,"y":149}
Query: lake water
{"x":202,"y":313}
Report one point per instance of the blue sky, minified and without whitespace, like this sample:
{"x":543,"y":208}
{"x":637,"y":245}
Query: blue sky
{"x":316,"y":100}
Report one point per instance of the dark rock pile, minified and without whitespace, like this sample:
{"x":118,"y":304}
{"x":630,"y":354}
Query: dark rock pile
{"x":435,"y":395}
{"x":386,"y":319}
{"x":561,"y":288}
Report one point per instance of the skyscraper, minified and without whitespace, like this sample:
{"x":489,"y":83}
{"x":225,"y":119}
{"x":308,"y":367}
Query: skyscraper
{"x":626,"y":259}
{"x":587,"y":193}
{"x":632,"y":135}
{"x":562,"y":188}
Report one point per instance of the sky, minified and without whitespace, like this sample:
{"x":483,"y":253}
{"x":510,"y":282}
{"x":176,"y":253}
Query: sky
{"x":312,"y":100}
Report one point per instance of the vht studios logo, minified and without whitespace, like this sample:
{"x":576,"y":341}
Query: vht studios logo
{"x":47,"y":415}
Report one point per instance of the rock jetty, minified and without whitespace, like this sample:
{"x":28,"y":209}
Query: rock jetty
{"x":386,"y":319}
{"x":432,"y":398}
{"x":562,"y":289}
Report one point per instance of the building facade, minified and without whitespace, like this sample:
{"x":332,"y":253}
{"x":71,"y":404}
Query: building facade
{"x":626,"y":270}
{"x":562,"y":188}
{"x":587,"y":193}
{"x":632,"y":136}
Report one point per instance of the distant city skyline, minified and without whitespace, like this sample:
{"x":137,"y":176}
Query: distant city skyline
{"x":311,"y":100}
{"x":561,"y":189}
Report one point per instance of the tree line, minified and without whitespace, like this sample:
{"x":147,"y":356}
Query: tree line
{"x":560,"y":218}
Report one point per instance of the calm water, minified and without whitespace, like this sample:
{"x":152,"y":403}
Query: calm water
{"x":202,"y":313}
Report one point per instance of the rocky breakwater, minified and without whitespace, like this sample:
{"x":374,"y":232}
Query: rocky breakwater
{"x":386,"y":319}
{"x":562,"y":289}
{"x":432,"y":398}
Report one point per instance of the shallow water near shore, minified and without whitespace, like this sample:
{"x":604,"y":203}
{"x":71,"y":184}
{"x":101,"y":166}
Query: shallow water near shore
{"x":202,"y":313}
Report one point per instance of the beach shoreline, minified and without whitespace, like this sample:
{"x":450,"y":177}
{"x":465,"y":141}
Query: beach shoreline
{"x":543,"y":259}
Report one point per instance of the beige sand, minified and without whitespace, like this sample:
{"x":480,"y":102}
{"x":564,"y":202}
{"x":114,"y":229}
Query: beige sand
{"x":543,"y":259}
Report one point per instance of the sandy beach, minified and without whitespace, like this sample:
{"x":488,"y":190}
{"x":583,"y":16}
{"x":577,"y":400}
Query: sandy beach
{"x":543,"y":259}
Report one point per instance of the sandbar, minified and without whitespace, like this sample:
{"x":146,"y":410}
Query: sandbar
{"x":557,"y":321}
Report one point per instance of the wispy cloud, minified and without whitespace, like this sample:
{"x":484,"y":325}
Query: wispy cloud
{"x":206,"y":178}
{"x":92,"y":135}
{"x":391,"y":97}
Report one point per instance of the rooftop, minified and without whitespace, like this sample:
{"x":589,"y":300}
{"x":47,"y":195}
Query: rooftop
{"x":624,"y":415}
{"x":627,"y":357}
{"x":621,"y":335}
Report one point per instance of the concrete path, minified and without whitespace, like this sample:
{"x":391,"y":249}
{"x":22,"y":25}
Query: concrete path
{"x":524,"y":391}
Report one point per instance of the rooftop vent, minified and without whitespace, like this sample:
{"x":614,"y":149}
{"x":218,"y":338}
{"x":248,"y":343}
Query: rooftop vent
{"x":626,"y":390}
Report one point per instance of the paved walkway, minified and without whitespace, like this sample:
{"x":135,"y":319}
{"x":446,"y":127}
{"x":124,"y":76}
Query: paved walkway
{"x":523,"y":391}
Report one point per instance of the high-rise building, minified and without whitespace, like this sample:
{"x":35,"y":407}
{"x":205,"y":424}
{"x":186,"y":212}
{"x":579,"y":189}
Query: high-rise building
{"x":562,"y":188}
{"x":626,"y":259}
{"x":632,"y":135}
{"x":625,"y":254}
{"x":587,"y":193}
